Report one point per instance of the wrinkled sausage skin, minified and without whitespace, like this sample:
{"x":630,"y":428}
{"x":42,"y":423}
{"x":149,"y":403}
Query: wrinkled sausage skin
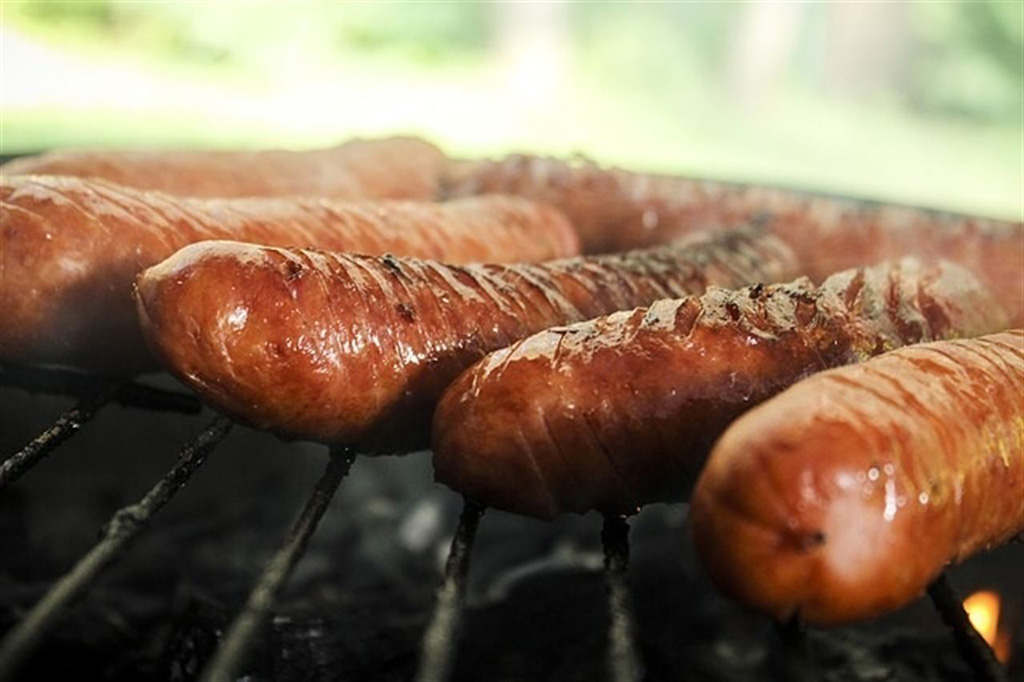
{"x":842,"y":498}
{"x":621,"y":411}
{"x":71,"y":249}
{"x":615,"y":209}
{"x":343,"y":348}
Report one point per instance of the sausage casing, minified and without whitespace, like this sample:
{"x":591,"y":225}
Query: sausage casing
{"x":614,"y":209}
{"x":843,"y":497}
{"x":391,"y":168}
{"x":344,"y":348}
{"x":71,"y":249}
{"x":617,"y":412}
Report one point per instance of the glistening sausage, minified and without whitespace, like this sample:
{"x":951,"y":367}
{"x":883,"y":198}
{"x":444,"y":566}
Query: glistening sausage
{"x":390,"y":168}
{"x":614,"y":209}
{"x":617,"y":412}
{"x":344,"y":348}
{"x":71,"y":249}
{"x":843,"y":497}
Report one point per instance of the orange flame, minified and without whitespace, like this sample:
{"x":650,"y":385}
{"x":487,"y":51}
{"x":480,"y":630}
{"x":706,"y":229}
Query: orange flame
{"x":983,"y":610}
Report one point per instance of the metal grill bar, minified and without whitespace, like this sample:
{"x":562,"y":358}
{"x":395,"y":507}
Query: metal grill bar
{"x":437,"y":651}
{"x":969,"y":642}
{"x":57,"y":381}
{"x":797,"y":663}
{"x":231,"y":654}
{"x":624,"y":664}
{"x":126,"y":524}
{"x":66,"y":426}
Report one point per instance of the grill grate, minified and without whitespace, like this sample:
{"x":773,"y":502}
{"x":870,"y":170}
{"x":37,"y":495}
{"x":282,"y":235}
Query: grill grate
{"x":971,"y":645}
{"x":797,"y":664}
{"x":437,"y":652}
{"x":67,"y":425}
{"x":439,"y":643}
{"x":93,"y":393}
{"x":624,"y":663}
{"x":124,"y":527}
{"x":230,"y":656}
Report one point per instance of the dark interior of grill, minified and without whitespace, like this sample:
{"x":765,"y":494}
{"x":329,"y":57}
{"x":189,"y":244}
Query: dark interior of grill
{"x":358,"y":604}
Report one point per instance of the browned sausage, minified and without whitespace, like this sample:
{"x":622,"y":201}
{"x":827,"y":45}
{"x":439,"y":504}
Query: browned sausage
{"x":615,"y":209}
{"x":392,"y":168}
{"x":843,"y":497}
{"x":617,"y":412}
{"x":612,"y":209}
{"x":71,"y":249}
{"x":343,"y":348}
{"x":831,"y":234}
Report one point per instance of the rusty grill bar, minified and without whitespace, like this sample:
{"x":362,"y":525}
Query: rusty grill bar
{"x":118,"y":534}
{"x":93,"y":393}
{"x":230,"y":656}
{"x":440,"y":639}
{"x":798,"y":663}
{"x":437,"y":649}
{"x":42,"y":445}
{"x":624,"y":663}
{"x":974,"y":649}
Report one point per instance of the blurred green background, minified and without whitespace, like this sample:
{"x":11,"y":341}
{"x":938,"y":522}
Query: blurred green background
{"x":914,"y":102}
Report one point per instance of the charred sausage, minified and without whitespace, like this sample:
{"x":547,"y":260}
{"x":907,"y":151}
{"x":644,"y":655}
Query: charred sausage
{"x":71,"y":249}
{"x":391,"y":168}
{"x":843,"y":497}
{"x":617,"y":412}
{"x":615,"y":209}
{"x":344,"y":348}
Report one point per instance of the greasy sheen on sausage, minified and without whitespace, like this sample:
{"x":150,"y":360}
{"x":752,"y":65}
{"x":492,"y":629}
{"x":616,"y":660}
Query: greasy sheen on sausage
{"x":344,"y":348}
{"x":71,"y":249}
{"x":842,"y":498}
{"x":615,"y":209}
{"x":617,"y":412}
{"x":389,"y":168}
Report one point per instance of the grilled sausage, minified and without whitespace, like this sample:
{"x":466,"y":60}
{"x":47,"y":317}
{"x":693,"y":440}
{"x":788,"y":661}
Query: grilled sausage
{"x":391,"y":168}
{"x":614,"y":413}
{"x":832,"y":234}
{"x":612,"y":209}
{"x":615,"y":209}
{"x":843,"y":497}
{"x":344,"y":348}
{"x":71,"y":249}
